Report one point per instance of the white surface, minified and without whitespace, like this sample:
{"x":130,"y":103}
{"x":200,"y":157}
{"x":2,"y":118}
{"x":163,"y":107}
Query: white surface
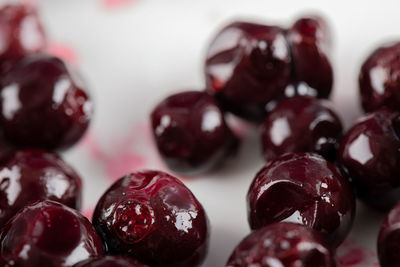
{"x":134,"y":55}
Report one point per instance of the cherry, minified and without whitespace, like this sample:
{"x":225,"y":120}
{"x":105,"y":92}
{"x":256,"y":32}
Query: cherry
{"x":302,"y":188}
{"x":151,"y":216}
{"x":282,"y":244}
{"x":379,"y":79}
{"x":6,"y":151}
{"x":47,"y":233}
{"x":247,"y":66}
{"x":369,"y":155}
{"x":301,"y":124}
{"x":110,"y":261}
{"x":21,"y":34}
{"x":32,"y":175}
{"x":43,"y":104}
{"x":389,"y":239}
{"x":190,"y":132}
{"x":309,"y":41}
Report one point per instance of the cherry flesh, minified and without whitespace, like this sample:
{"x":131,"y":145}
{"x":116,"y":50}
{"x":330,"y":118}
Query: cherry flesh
{"x":379,"y":79}
{"x":247,"y":66}
{"x":309,"y":41}
{"x":32,"y":175}
{"x":151,"y":216}
{"x":389,"y":239}
{"x":302,"y":188}
{"x":301,"y":124}
{"x":110,"y":261}
{"x":369,"y":155}
{"x":282,"y":244}
{"x":191,"y":133}
{"x":47,"y":233}
{"x":43,"y":104}
{"x":21,"y":34}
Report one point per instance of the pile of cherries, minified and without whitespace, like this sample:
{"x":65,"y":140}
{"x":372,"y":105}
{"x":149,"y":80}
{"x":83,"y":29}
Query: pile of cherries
{"x":146,"y":218}
{"x":301,"y":204}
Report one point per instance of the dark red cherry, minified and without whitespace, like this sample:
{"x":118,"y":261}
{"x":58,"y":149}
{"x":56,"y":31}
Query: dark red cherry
{"x":21,"y":34}
{"x":110,"y":261}
{"x":282,"y":244}
{"x":247,"y":66}
{"x":301,"y":124}
{"x":389,"y":239}
{"x":370,"y":155}
{"x":6,"y":150}
{"x":379,"y":79}
{"x":32,"y":175}
{"x":47,"y":233}
{"x":309,"y":41}
{"x":43,"y":104}
{"x":151,"y":216}
{"x":302,"y":188}
{"x":190,"y":132}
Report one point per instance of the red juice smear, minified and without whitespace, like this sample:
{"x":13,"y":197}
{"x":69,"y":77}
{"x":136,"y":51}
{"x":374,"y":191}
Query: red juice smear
{"x":63,"y":51}
{"x":116,"y":3}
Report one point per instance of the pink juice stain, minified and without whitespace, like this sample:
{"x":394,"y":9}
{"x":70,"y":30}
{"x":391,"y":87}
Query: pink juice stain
{"x":63,"y":51}
{"x":352,"y":257}
{"x":118,"y":163}
{"x":123,"y":159}
{"x":88,"y":213}
{"x":116,"y":3}
{"x":30,"y":3}
{"x":123,"y":163}
{"x":351,"y":254}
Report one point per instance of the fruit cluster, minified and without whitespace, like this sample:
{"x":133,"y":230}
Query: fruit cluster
{"x":301,"y":204}
{"x":146,"y":218}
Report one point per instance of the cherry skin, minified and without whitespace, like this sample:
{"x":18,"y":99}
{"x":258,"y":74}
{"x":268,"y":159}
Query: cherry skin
{"x":369,"y":154}
{"x":301,"y":124}
{"x":389,"y":239}
{"x":282,"y":244}
{"x":47,"y":233}
{"x":43,"y":104}
{"x":379,"y":79}
{"x":21,"y":34}
{"x":32,"y":175}
{"x":309,"y":41}
{"x":302,"y":188}
{"x":151,"y":216}
{"x":247,"y":66}
{"x":190,"y":132}
{"x":6,"y":151}
{"x":110,"y":261}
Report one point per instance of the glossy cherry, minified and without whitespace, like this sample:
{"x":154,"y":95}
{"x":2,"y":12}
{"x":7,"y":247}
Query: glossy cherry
{"x":110,"y":261}
{"x":247,"y":66}
{"x":309,"y":41}
{"x":389,"y":239}
{"x":301,"y":124}
{"x":370,"y":155}
{"x":190,"y":132}
{"x":282,"y":244}
{"x":302,"y":188}
{"x":47,"y":233}
{"x":21,"y":34}
{"x":32,"y":175}
{"x":379,"y":79}
{"x":43,"y":104}
{"x":151,"y":216}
